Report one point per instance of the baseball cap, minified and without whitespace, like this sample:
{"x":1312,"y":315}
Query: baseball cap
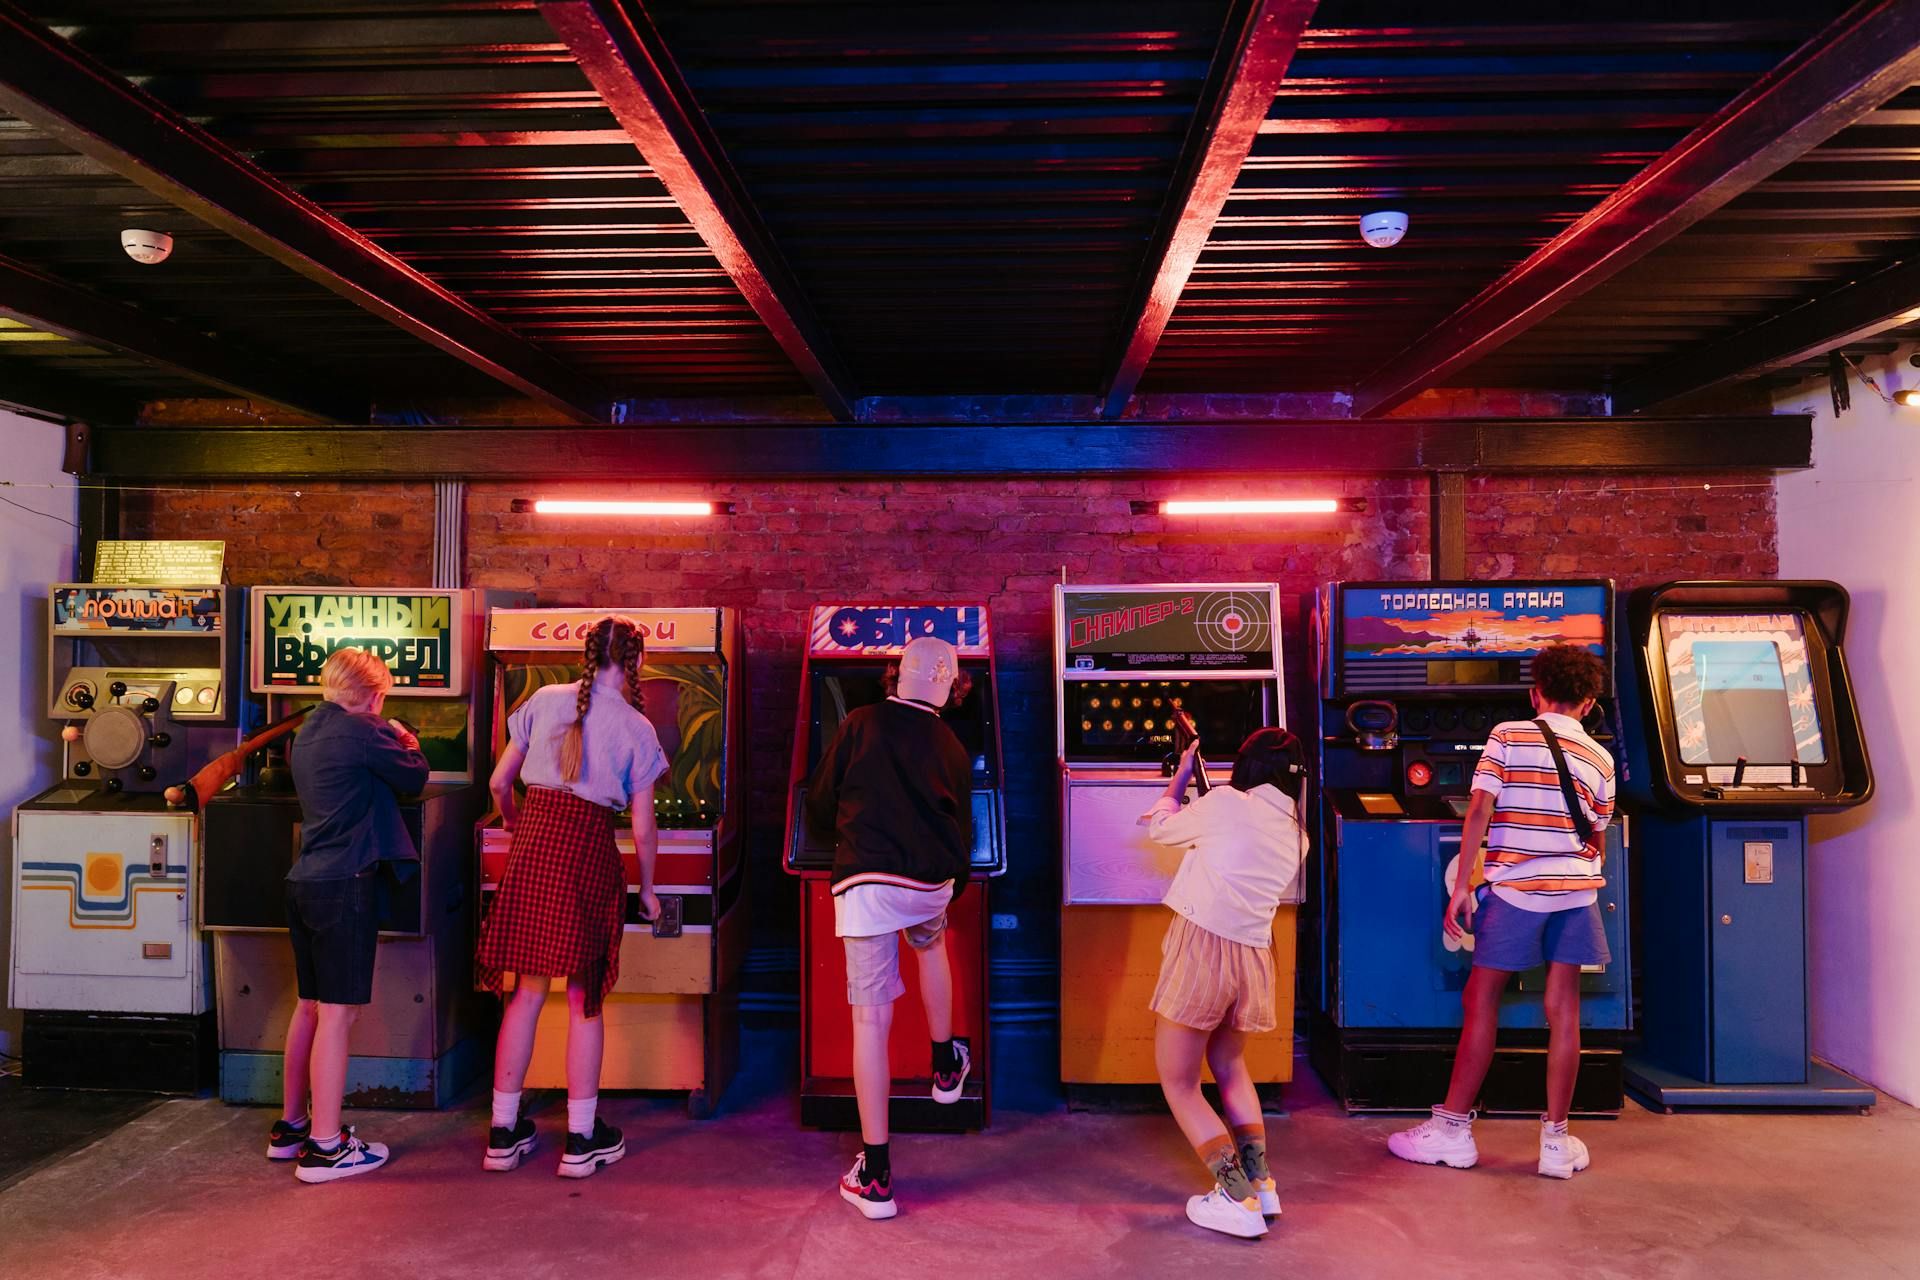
{"x":927,"y":667}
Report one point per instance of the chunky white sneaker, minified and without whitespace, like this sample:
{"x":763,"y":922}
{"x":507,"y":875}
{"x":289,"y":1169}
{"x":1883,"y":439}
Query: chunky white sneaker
{"x":1562,"y":1155}
{"x":1218,"y":1211}
{"x":1269,"y":1193}
{"x":1436,"y":1141}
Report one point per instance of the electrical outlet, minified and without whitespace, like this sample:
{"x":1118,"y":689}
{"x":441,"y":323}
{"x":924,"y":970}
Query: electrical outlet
{"x":1003,"y":920}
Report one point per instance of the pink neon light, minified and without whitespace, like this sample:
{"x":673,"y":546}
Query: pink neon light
{"x":1250,"y":507}
{"x":586,"y":507}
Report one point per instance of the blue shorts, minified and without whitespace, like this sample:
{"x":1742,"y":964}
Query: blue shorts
{"x":1513,"y":939}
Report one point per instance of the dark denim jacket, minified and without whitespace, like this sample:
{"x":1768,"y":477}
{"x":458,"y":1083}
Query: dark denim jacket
{"x":350,"y":771}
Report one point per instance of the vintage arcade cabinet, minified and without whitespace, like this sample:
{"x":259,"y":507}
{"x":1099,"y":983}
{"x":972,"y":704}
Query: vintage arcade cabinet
{"x":672,"y":1019}
{"x":108,"y":961}
{"x":1743,"y":725}
{"x":415,"y":1046}
{"x":849,"y":650}
{"x":1129,"y":658}
{"x":1413,"y":676}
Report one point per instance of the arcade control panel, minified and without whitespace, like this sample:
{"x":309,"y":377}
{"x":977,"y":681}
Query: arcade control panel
{"x":193,"y":694}
{"x":131,"y":722}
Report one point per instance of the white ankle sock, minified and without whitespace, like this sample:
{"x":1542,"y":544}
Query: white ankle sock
{"x":1454,"y":1118}
{"x":1553,"y":1128}
{"x":506,"y":1109}
{"x":580,"y":1114}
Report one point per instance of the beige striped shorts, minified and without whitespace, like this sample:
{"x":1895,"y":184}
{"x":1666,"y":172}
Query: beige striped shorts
{"x":1207,"y":981}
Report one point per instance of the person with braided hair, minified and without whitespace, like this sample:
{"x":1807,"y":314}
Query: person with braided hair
{"x":584,"y":751}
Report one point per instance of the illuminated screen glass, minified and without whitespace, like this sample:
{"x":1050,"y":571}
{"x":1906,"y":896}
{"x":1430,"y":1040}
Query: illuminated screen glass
{"x":1132,"y":720}
{"x":1742,"y":687}
{"x":439,"y":723}
{"x":686,"y":704}
{"x":840,"y":687}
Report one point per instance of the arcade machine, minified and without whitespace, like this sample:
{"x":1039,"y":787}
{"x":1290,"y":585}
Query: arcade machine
{"x":672,"y":1019}
{"x":108,"y":958}
{"x":1129,"y":659}
{"x":415,"y":1046}
{"x":1412,"y":676}
{"x":1745,"y":723}
{"x":849,"y":651}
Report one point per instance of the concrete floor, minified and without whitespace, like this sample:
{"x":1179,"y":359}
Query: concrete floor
{"x":183,"y":1190}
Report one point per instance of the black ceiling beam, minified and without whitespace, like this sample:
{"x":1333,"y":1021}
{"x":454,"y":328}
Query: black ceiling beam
{"x":796,"y":451}
{"x":36,"y":392}
{"x":55,"y":306}
{"x":1248,"y":66}
{"x":1865,"y":57}
{"x":621,"y":51}
{"x":54,"y":86}
{"x":1843,"y":318}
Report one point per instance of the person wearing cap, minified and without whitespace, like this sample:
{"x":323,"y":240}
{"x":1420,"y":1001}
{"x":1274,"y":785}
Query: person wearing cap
{"x":894,"y":792}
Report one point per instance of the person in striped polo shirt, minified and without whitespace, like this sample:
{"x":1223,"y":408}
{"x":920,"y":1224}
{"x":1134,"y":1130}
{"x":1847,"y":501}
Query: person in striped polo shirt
{"x":1537,"y":902}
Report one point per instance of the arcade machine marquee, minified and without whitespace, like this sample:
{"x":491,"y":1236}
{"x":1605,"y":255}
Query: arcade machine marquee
{"x":672,"y":1017}
{"x":1413,"y":676}
{"x":849,"y":652}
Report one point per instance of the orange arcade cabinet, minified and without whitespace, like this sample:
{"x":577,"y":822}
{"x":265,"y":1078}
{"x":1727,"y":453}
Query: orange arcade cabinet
{"x":849,"y":650}
{"x":672,"y":1019}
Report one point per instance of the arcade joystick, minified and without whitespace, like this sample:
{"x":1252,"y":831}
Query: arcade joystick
{"x":149,"y":705}
{"x":114,"y":784}
{"x":160,"y":741}
{"x":82,"y":768}
{"x":81,"y":697}
{"x":146,"y":773}
{"x":118,"y":688}
{"x":70,"y":734}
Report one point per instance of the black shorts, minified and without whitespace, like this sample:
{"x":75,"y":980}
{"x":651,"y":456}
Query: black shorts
{"x":335,"y":931}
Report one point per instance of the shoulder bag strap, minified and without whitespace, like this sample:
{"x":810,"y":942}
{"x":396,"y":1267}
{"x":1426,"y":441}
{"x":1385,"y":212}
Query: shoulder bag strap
{"x":1581,"y":822}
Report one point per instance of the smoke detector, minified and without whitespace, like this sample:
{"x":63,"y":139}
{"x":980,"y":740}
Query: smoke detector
{"x":1383,"y":230}
{"x":149,"y":247}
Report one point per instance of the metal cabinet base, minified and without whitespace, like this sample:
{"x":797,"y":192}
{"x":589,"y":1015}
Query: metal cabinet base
{"x":1825,"y":1089}
{"x":829,"y":1103}
{"x":397,"y":1084}
{"x":1401,"y":1072}
{"x":130,"y":1053}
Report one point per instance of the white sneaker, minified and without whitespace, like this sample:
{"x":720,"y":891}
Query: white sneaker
{"x":1269,"y":1192}
{"x":1217,"y":1211}
{"x":1562,"y":1155}
{"x":1436,"y":1141}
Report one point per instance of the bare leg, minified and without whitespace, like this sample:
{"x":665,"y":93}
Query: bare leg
{"x":1479,"y":1024}
{"x":295,"y":1076}
{"x":936,"y":988}
{"x":1177,"y":1052}
{"x":329,"y":1066}
{"x":1563,"y":1037}
{"x":1227,"y":1055}
{"x":518,"y":1022}
{"x":872,"y":1069}
{"x":586,"y":1039}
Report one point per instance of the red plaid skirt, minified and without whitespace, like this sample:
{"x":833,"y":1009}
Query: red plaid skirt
{"x":562,"y":904}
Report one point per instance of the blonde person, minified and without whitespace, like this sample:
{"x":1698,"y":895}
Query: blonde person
{"x":1244,"y":845}
{"x":584,"y":751}
{"x":350,"y":769}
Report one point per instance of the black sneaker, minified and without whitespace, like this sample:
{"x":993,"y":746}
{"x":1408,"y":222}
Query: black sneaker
{"x":286,"y":1141}
{"x":947,"y":1085}
{"x":506,"y":1147}
{"x":351,"y":1157}
{"x":586,"y":1156}
{"x":873,"y":1197}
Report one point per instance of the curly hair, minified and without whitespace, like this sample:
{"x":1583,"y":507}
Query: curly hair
{"x":615,"y":640}
{"x":1567,"y":675}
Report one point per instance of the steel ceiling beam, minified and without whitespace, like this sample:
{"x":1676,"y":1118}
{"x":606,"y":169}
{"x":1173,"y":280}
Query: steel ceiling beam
{"x":1859,"y":311}
{"x":623,"y":54}
{"x":56,"y":87}
{"x":1864,"y":58}
{"x":1248,"y":66}
{"x":33,"y":391}
{"x":54,"y":306}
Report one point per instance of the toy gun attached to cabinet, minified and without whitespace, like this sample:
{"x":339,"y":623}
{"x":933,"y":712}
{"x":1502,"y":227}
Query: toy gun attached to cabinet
{"x":222,"y":769}
{"x":1184,"y":735}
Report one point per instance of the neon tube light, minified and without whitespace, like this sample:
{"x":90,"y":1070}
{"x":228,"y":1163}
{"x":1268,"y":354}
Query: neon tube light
{"x":588,"y":507}
{"x":1251,"y":507}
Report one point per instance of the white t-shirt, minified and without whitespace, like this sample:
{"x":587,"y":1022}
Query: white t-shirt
{"x":1244,"y":850}
{"x":620,"y":753}
{"x":1535,"y":859}
{"x":871,"y":910}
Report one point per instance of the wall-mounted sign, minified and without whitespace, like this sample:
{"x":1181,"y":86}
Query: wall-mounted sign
{"x":846,"y":630}
{"x":149,"y":562}
{"x":420,"y":635}
{"x":90,"y":610}
{"x":1169,"y":628}
{"x":666,"y":630}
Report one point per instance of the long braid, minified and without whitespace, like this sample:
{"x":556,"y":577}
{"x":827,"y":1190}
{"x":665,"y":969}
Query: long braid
{"x":572,"y":744}
{"x":636,"y":654}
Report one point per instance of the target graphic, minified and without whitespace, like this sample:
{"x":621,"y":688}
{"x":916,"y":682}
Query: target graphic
{"x":1232,"y":621}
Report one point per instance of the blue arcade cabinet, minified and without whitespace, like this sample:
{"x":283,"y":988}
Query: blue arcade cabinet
{"x":1412,"y":678}
{"x":1744,"y":724}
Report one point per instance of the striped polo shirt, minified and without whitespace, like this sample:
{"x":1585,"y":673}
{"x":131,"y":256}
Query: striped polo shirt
{"x":1534,"y":856}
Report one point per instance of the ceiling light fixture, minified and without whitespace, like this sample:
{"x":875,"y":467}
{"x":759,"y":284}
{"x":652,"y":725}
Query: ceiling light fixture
{"x":1250,"y":506}
{"x":599,"y":507}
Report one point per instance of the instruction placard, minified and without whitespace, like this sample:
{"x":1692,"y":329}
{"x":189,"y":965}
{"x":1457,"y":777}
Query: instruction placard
{"x":153,"y":562}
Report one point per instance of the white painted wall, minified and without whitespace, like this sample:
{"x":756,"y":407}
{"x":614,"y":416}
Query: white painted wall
{"x":34,"y":551}
{"x":1855,"y":518}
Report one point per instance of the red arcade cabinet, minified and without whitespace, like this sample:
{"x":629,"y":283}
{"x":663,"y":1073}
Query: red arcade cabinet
{"x":849,"y":650}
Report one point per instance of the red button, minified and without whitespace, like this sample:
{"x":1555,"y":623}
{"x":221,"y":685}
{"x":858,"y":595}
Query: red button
{"x":1419,"y":773}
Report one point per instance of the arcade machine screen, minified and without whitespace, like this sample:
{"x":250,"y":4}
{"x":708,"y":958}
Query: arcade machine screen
{"x":1112,"y":721}
{"x":1742,"y":688}
{"x":685,"y":703}
{"x":440,"y":724}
